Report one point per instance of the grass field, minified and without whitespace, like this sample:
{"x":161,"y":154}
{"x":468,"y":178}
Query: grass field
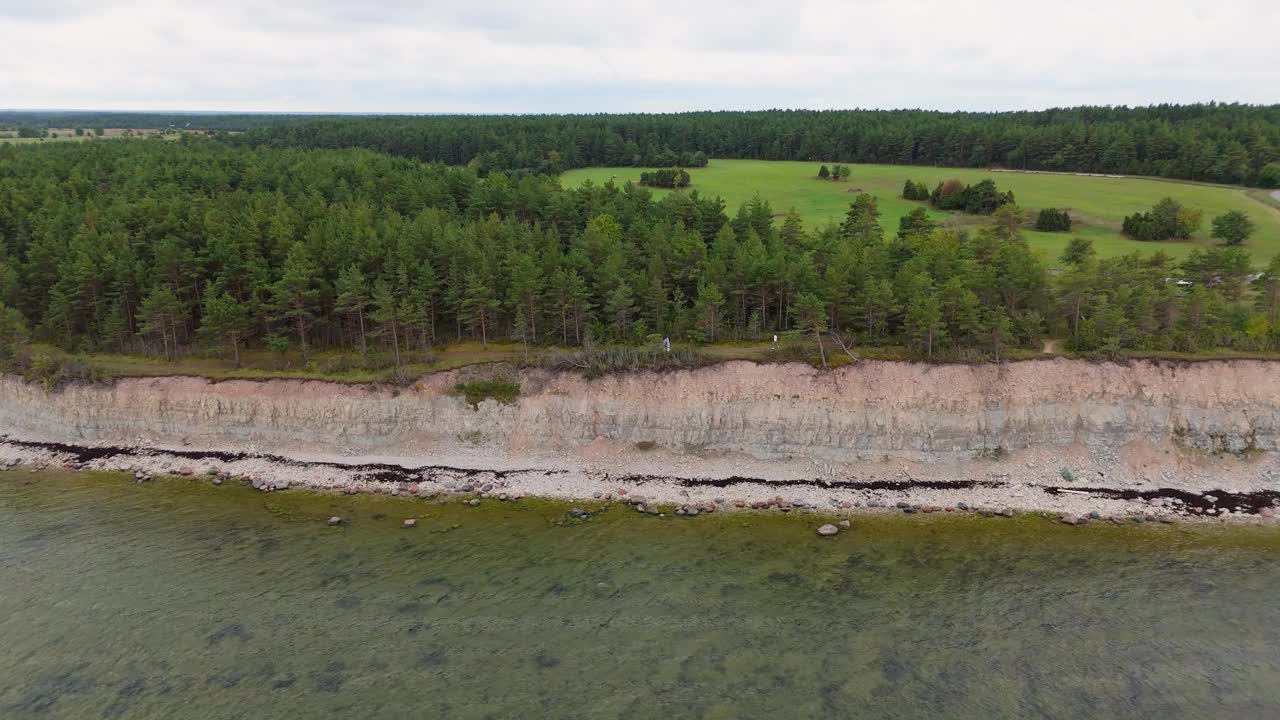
{"x":1098,"y":204}
{"x":9,"y":135}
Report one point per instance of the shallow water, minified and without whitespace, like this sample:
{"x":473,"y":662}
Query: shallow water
{"x":176,"y":599}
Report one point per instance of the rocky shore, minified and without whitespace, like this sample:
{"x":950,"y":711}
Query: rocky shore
{"x":649,"y":494}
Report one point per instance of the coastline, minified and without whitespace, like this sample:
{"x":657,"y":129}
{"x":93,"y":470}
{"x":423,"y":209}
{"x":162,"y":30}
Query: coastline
{"x":1077,"y":438}
{"x":448,"y":482}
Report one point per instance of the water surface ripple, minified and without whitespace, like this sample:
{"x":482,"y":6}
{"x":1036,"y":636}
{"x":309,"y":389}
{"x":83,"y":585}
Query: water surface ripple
{"x":175,"y":599}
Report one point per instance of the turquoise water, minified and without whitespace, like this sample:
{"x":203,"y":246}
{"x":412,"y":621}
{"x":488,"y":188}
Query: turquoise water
{"x":176,"y":599}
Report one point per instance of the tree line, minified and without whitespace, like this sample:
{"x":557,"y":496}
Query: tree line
{"x":1228,"y":143}
{"x":197,"y":245}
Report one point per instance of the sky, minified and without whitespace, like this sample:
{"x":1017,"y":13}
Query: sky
{"x":623,"y":56}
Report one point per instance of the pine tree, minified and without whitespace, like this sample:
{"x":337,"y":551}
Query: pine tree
{"x":480,"y":306}
{"x":353,"y":299}
{"x":707,"y":310}
{"x":619,"y":309}
{"x":997,"y":329}
{"x":526,"y":290}
{"x":385,"y":312}
{"x":923,"y":324}
{"x":811,"y":315}
{"x":916,"y":222}
{"x":160,"y":315}
{"x":225,"y":320}
{"x":294,"y":295}
{"x":520,"y":329}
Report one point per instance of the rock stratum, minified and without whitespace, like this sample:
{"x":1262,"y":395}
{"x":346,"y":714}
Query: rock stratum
{"x":1024,"y":426}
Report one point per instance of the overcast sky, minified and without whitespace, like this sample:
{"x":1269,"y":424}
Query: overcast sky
{"x":587,"y":56}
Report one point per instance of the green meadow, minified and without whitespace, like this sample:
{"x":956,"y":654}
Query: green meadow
{"x":1097,"y":204}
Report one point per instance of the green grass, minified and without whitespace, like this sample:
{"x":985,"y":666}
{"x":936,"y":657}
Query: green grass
{"x":262,"y":364}
{"x":336,"y":367}
{"x":1099,"y":204}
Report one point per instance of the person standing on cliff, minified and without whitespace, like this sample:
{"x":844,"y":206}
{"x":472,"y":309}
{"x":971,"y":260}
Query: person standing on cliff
{"x":775,"y":340}
{"x":666,"y":344}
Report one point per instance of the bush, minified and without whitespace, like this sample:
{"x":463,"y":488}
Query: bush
{"x":1168,"y":220}
{"x":979,"y":199}
{"x":1269,"y":176}
{"x":53,"y":372}
{"x":666,"y":178}
{"x":915,"y":191}
{"x":13,"y":335}
{"x":595,"y":362}
{"x":477,"y":391}
{"x":1053,"y":220}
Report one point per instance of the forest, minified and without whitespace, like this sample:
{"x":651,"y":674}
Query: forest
{"x":198,"y":245}
{"x":1225,"y":143}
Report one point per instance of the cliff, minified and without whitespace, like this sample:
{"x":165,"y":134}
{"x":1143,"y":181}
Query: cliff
{"x":867,"y":412}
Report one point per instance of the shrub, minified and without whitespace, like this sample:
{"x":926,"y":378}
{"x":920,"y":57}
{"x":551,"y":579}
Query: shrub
{"x":666,"y":178}
{"x":982,"y":198}
{"x":53,"y":372}
{"x":1168,"y":220}
{"x":598,"y":361}
{"x":13,"y":335}
{"x":1269,"y":176}
{"x":1053,"y":220}
{"x":477,"y":391}
{"x":915,"y":191}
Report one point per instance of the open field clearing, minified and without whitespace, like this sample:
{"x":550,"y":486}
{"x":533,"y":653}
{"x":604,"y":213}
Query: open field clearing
{"x":1097,"y":204}
{"x":10,"y":135}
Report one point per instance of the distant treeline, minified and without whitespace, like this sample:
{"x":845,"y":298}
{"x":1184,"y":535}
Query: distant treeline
{"x":148,"y":120}
{"x":1227,"y":143}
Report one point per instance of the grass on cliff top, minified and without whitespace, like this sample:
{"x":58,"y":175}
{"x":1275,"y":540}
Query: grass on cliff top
{"x":1098,"y":204}
{"x":339,"y":367}
{"x":262,"y":364}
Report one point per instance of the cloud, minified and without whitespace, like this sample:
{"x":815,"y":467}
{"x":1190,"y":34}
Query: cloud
{"x":576,"y":56}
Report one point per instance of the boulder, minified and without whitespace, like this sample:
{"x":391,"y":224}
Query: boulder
{"x":334,"y":521}
{"x":828,"y":530}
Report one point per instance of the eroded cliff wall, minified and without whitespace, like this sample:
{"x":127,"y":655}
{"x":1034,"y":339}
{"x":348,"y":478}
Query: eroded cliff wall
{"x":867,"y":412}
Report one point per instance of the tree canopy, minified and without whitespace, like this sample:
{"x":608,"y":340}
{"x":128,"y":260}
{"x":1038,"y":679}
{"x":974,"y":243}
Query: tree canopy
{"x":202,"y":245}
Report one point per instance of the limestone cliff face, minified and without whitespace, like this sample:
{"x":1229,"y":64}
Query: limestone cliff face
{"x":864,"y":412}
